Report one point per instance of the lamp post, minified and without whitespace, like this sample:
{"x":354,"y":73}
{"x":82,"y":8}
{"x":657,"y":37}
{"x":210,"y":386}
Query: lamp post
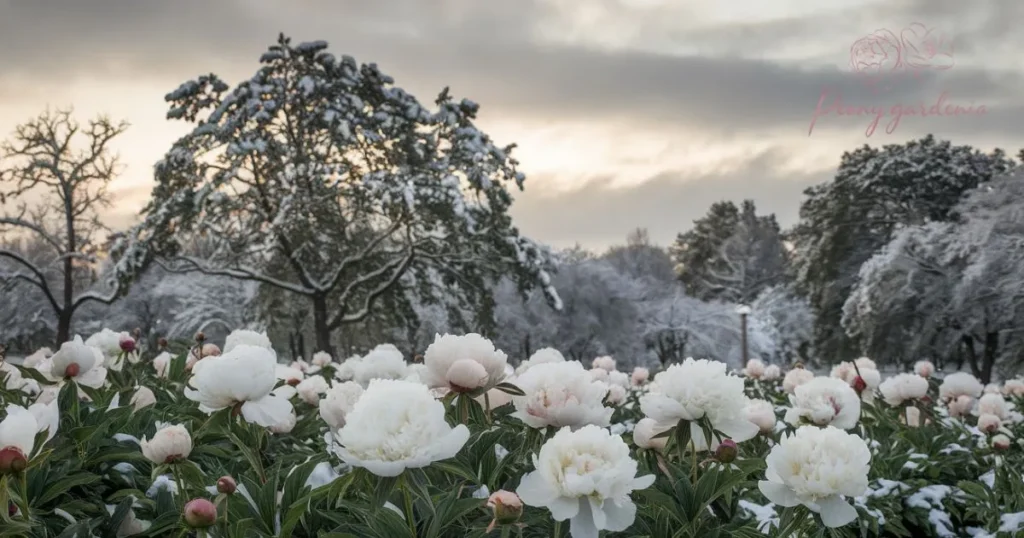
{"x":743,"y":311}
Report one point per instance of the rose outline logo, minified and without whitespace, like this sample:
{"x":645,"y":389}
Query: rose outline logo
{"x":917,"y":48}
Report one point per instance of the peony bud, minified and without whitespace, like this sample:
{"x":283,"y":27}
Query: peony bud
{"x":200,"y":513}
{"x":12,"y":509}
{"x":72,"y":370}
{"x":200,"y":337}
{"x":466,"y":375}
{"x":293,"y":381}
{"x":506,"y":506}
{"x":1001,"y":442}
{"x":726,"y":452}
{"x":12,"y":461}
{"x":162,"y":342}
{"x":127,"y":344}
{"x":226,"y":485}
{"x":859,"y":384}
{"x":644,"y":435}
{"x":989,"y":423}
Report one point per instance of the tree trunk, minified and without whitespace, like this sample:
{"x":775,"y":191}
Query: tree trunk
{"x":972,"y":356}
{"x":990,"y":354}
{"x":63,"y":327}
{"x":323,"y":332}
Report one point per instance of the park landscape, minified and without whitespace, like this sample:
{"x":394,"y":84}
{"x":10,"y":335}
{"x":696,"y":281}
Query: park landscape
{"x":325,"y":323}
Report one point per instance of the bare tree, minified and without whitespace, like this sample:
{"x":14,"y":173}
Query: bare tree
{"x":54,"y":174}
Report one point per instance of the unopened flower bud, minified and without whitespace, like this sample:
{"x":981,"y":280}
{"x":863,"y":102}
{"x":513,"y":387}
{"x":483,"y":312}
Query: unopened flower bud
{"x":127,"y":344}
{"x":226,"y":485}
{"x":506,"y":506}
{"x":1001,"y":442}
{"x":200,"y":513}
{"x":466,"y":375}
{"x":200,"y":336}
{"x":162,"y":342}
{"x":859,"y":384}
{"x":726,"y":452}
{"x":72,"y":370}
{"x":12,"y":461}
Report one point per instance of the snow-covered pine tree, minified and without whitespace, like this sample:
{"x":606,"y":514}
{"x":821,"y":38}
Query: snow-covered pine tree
{"x":349,"y":181}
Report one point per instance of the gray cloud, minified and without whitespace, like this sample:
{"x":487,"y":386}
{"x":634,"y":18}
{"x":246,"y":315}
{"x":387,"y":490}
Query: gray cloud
{"x":598,"y":215}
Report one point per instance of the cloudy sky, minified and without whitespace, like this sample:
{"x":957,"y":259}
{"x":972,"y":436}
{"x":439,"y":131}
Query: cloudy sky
{"x":627,"y":112}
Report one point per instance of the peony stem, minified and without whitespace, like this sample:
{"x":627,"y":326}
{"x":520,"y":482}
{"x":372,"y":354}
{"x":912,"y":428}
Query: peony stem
{"x":181,"y":485}
{"x":487,"y":407}
{"x":558,"y":529}
{"x":505,"y":531}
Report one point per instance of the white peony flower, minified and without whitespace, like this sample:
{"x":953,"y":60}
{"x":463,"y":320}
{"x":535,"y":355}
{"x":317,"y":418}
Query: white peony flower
{"x":541,"y":356}
{"x":696,"y":389}
{"x":616,"y":395}
{"x":824,"y":401}
{"x":560,"y":394}
{"x":143,"y":397}
{"x":771,"y":373}
{"x":34,"y":359}
{"x":605,"y":363}
{"x":993,"y":404}
{"x":817,"y":467}
{"x":872,"y":379}
{"x":960,"y":384}
{"x":1013,"y":387}
{"x":80,"y":362}
{"x":162,"y":363}
{"x":924,"y":368}
{"x":992,"y":388}
{"x":108,"y":342}
{"x":989,"y":423}
{"x":416,"y":372}
{"x":243,"y":337}
{"x":960,"y":406}
{"x":902,"y":387}
{"x":640,"y":376}
{"x":397,"y":425}
{"x":243,"y":377}
{"x":383,"y":362}
{"x":618,"y":378}
{"x":47,"y":416}
{"x":169,"y":444}
{"x":290,"y":376}
{"x":300,"y":365}
{"x":321,"y":359}
{"x":599,"y":374}
{"x":284,"y":424}
{"x":585,"y":476}
{"x":865,"y":363}
{"x":11,"y":377}
{"x":311,"y":388}
{"x":761,"y":413}
{"x":754,"y":369}
{"x":644,"y":435}
{"x":18,"y":430}
{"x":796,"y":377}
{"x":338,"y":402}
{"x":449,"y":349}
{"x":346,"y":371}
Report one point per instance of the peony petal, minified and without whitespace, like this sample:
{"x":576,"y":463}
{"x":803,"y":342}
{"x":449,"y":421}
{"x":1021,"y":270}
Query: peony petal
{"x":19,"y":429}
{"x":533,"y":490}
{"x":643,"y":482}
{"x":267,"y":411}
{"x":596,"y":511}
{"x":618,"y":517}
{"x":663,"y":409}
{"x":563,"y":508}
{"x":778,"y":493}
{"x":738,"y":430}
{"x":383,"y":468}
{"x":583,"y":526}
{"x":835,"y":512}
{"x":450,"y":445}
{"x":93,"y":378}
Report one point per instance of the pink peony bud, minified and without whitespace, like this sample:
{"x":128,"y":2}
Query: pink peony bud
{"x":726,"y":452}
{"x":1001,"y":442}
{"x":506,"y":506}
{"x":466,"y":375}
{"x":226,"y":485}
{"x":127,"y":344}
{"x":200,"y":513}
{"x":640,"y":375}
{"x":989,"y":423}
{"x":859,"y":384}
{"x":12,"y":461}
